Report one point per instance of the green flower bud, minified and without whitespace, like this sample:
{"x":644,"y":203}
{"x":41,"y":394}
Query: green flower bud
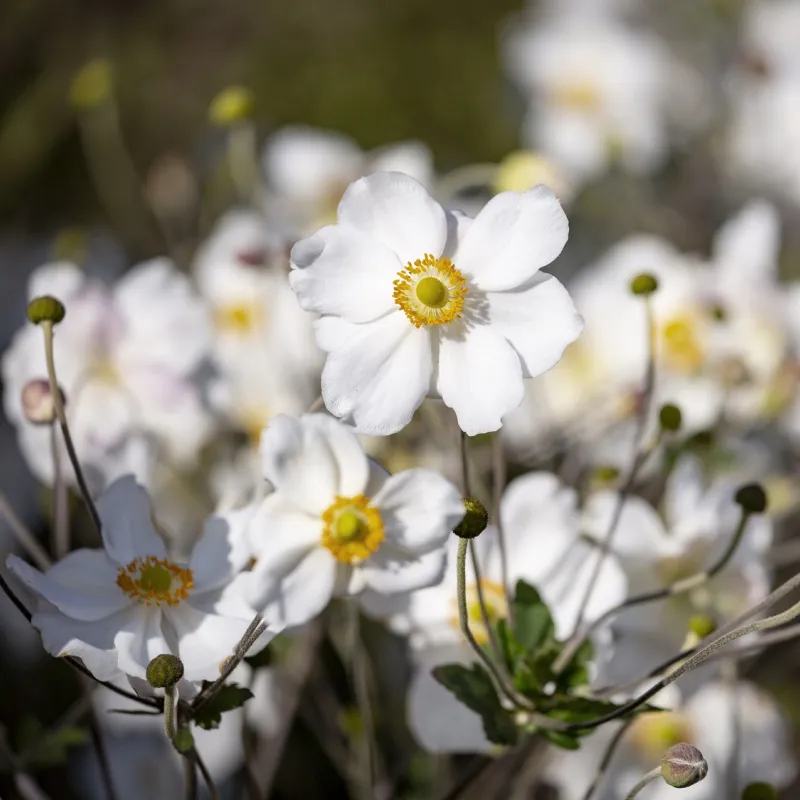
{"x":231,"y":105}
{"x":475,"y":520}
{"x":92,"y":86}
{"x":701,"y":625}
{"x":45,"y":309}
{"x":644,"y":284}
{"x":183,"y":740}
{"x":683,"y":765}
{"x":760,"y":791}
{"x":752,"y":498}
{"x":670,"y":417}
{"x":164,"y":671}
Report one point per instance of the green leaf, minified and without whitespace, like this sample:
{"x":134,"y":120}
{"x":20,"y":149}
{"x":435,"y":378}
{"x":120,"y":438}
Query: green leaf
{"x":230,"y":696}
{"x":577,"y":672}
{"x":533,"y":624}
{"x":566,"y":741}
{"x":474,"y":688}
{"x":40,"y":747}
{"x":511,"y":649}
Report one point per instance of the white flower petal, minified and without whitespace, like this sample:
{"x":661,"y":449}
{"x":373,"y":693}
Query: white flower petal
{"x":480,"y":377}
{"x":140,"y":640}
{"x":419,"y":509}
{"x":61,"y":279}
{"x":392,"y":571}
{"x":513,"y":237}
{"x":302,"y":594}
{"x":376,"y":375}
{"x":539,"y":320}
{"x":127,"y":526}
{"x":398,"y":211}
{"x":342,"y":271}
{"x":82,"y":585}
{"x":746,"y":247}
{"x":351,"y":461}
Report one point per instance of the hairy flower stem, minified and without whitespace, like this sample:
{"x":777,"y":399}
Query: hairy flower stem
{"x":170,"y":701}
{"x":651,"y":776}
{"x":47,"y":330}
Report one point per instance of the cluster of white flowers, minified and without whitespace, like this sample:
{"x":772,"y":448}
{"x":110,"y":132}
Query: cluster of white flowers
{"x":275,"y":426}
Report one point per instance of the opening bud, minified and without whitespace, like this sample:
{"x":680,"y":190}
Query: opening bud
{"x":760,"y":791}
{"x":231,"y":105}
{"x":752,"y":498}
{"x":670,"y":417}
{"x":45,"y":309}
{"x":164,"y":671}
{"x":183,"y":740}
{"x":701,"y":625}
{"x":37,"y":402}
{"x":92,"y":86}
{"x":644,"y":285}
{"x":475,"y":519}
{"x":683,"y":765}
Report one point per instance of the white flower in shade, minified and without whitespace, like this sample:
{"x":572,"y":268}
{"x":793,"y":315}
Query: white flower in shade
{"x":419,"y":302}
{"x":600,"y":91}
{"x":544,"y":548}
{"x":770,"y":30}
{"x":338,"y":524}
{"x":263,"y":341}
{"x":126,"y":359}
{"x":118,"y":607}
{"x":308,"y":169}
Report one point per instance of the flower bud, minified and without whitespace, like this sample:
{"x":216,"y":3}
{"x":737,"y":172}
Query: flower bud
{"x":475,"y":520}
{"x":45,"y":309}
{"x":760,"y":791}
{"x":37,"y":402}
{"x":644,"y":285}
{"x":701,"y":625}
{"x":231,"y":105}
{"x":183,"y":740}
{"x":670,"y":417}
{"x":92,"y":86}
{"x":683,"y":765}
{"x":164,"y":671}
{"x":752,"y":498}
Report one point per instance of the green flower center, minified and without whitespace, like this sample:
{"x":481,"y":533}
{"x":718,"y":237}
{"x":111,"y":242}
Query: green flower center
{"x":156,"y":579}
{"x":349,"y":526}
{"x":432,"y":292}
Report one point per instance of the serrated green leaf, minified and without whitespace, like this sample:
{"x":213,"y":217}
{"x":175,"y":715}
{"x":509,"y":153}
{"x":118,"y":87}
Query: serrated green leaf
{"x":533,"y":624}
{"x":474,"y":688}
{"x":229,"y":697}
{"x":566,"y":741}
{"x":511,"y":649}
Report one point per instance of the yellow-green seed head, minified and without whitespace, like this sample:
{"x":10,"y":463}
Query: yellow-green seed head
{"x":432,"y":292}
{"x":702,"y":625}
{"x":670,"y":417}
{"x":475,"y":519}
{"x":164,"y":671}
{"x":231,"y":105}
{"x":45,"y":309}
{"x":349,"y":526}
{"x":644,"y":285}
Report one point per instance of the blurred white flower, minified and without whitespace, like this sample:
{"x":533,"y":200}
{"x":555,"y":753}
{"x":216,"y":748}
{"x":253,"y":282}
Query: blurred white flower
{"x":308,"y":169}
{"x":419,"y":302}
{"x":126,"y":359}
{"x":544,"y":548}
{"x":770,"y":32}
{"x":118,"y":607}
{"x":600,"y":92}
{"x":339,"y":524}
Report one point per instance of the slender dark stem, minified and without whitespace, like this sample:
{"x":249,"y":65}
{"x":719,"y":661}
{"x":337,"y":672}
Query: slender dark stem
{"x":14,"y":599}
{"x":190,"y":777}
{"x":23,"y":535}
{"x":60,"y":501}
{"x":47,"y":330}
{"x":473,"y":772}
{"x":360,"y":682}
{"x":207,"y":779}
{"x":498,"y":487}
{"x":102,"y":757}
{"x":607,"y":756}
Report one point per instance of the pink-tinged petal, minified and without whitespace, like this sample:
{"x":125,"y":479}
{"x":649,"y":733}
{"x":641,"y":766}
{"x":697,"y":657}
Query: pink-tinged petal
{"x":539,"y":320}
{"x":344,"y":272}
{"x":419,"y":509}
{"x":127,"y":525}
{"x":480,"y":376}
{"x":376,"y":375}
{"x":391,"y":570}
{"x":81,"y":586}
{"x":140,"y":640}
{"x":513,"y":237}
{"x":299,"y":596}
{"x":397,"y":211}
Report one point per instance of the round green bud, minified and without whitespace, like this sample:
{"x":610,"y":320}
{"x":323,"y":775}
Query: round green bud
{"x":92,"y":86}
{"x":164,"y":671}
{"x":670,"y":417}
{"x":37,"y":402}
{"x":475,"y":519}
{"x":45,"y":309}
{"x":231,"y":105}
{"x":760,"y":791}
{"x":683,"y":765}
{"x":752,"y":498}
{"x":605,"y":473}
{"x":183,"y":740}
{"x":644,"y":284}
{"x":701,"y":625}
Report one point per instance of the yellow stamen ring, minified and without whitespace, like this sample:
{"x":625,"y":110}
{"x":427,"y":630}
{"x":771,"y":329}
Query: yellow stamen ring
{"x":430,"y":291}
{"x":353,"y":529}
{"x":155,"y":580}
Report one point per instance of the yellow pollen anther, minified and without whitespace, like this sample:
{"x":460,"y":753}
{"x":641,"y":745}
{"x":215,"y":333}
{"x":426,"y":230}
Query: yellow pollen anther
{"x":430,"y":291}
{"x":353,"y":529}
{"x":239,"y":318}
{"x":682,"y":350}
{"x":155,"y":580}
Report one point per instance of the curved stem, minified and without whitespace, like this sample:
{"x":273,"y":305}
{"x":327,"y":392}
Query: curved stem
{"x":607,"y":756}
{"x":207,"y":779}
{"x":169,"y":712}
{"x":651,"y":776}
{"x":21,"y":533}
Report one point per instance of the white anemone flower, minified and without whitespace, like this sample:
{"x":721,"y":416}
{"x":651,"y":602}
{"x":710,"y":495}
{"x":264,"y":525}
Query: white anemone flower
{"x":118,"y":607}
{"x":126,"y":359}
{"x":417,"y":301}
{"x":338,"y":524}
{"x":541,"y":528}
